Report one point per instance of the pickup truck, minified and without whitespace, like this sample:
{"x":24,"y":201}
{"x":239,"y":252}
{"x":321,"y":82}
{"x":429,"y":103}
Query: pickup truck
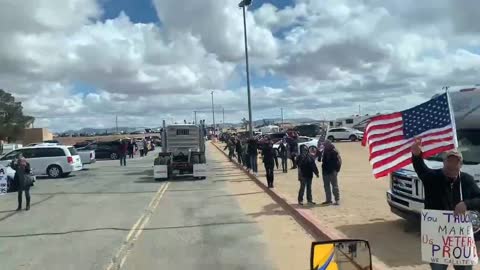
{"x":86,"y":155}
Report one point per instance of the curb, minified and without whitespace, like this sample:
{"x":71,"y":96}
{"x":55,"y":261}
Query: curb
{"x":316,"y":228}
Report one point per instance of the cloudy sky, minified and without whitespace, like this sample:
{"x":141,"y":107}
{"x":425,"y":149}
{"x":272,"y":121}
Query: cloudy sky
{"x":78,"y":63}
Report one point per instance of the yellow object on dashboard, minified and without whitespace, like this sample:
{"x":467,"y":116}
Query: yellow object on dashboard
{"x":324,"y":257}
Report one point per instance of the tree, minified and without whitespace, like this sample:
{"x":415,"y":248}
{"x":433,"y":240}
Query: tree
{"x":12,"y":120}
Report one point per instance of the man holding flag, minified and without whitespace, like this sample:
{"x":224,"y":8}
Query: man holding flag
{"x":398,"y":139}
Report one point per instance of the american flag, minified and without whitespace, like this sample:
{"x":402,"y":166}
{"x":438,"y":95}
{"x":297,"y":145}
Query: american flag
{"x":391,"y":136}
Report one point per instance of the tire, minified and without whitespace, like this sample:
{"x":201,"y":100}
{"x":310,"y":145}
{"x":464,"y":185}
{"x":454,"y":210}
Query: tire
{"x":113,"y":156}
{"x":313,"y":149}
{"x":331,"y":138}
{"x":54,"y":171}
{"x":353,"y":138}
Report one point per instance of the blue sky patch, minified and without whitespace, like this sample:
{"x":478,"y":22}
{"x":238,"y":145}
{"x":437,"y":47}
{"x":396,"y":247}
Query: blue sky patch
{"x":84,"y":88}
{"x":278,"y":3}
{"x":139,"y":11}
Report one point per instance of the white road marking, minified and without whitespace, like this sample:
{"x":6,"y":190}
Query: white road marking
{"x":136,"y":231}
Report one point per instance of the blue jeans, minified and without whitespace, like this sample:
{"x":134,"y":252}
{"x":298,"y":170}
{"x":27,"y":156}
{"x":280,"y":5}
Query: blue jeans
{"x":435,"y":266}
{"x":253,"y":163}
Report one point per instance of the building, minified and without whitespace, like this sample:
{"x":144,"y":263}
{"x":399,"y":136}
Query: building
{"x":36,"y":135}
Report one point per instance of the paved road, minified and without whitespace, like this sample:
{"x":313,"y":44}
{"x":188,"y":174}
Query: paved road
{"x":108,"y":217}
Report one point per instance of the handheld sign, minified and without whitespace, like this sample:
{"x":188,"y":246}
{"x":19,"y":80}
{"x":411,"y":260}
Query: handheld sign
{"x":3,"y":180}
{"x":447,"y":239}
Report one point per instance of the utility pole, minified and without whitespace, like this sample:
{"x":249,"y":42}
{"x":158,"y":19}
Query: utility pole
{"x":223,"y":117}
{"x":116,"y":123}
{"x":244,"y":4}
{"x":195,"y":113}
{"x":359,"y":110}
{"x":213,"y":116}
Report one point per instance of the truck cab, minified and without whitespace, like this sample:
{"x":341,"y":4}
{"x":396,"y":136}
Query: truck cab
{"x":183,"y":152}
{"x":406,"y":194}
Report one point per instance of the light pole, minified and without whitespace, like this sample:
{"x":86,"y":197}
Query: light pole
{"x":244,"y":4}
{"x":281,"y":112}
{"x":213,"y":115}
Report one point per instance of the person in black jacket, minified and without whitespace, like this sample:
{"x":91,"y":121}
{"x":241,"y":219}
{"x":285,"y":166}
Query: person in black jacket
{"x":253,"y":154}
{"x":447,"y":188}
{"x":283,"y":153}
{"x":306,"y":169}
{"x":331,"y":164}
{"x":22,"y":170}
{"x":269,"y":161}
{"x":238,"y":149}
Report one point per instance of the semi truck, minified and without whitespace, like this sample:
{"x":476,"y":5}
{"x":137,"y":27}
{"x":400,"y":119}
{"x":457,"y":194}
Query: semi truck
{"x":406,"y":194}
{"x":183,"y":152}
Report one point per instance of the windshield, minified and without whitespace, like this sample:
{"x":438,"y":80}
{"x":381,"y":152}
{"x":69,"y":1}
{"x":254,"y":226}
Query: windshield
{"x":72,"y":150}
{"x":468,"y":145}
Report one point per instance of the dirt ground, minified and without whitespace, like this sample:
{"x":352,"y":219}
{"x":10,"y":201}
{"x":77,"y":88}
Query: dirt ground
{"x":364,"y":212}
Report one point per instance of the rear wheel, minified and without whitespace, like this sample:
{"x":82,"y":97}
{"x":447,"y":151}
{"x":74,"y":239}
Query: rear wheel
{"x":113,"y":156}
{"x":313,"y":150}
{"x":353,"y":138}
{"x":54,"y":171}
{"x":331,"y":138}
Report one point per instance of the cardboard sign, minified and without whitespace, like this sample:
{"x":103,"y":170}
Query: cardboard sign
{"x":200,"y":170}
{"x":447,"y":239}
{"x":3,"y":180}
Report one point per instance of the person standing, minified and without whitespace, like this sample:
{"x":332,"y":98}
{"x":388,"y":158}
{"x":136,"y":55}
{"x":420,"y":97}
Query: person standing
{"x":231,"y":148}
{"x":331,"y":164}
{"x":306,"y":169}
{"x":283,"y":153}
{"x":269,"y":161}
{"x":130,"y":148}
{"x":293,"y":147}
{"x":140,"y":148}
{"x":447,"y":188}
{"x":238,"y":148}
{"x":146,"y":147}
{"x":246,"y":159}
{"x":253,"y":154}
{"x":23,"y":179}
{"x":123,"y":152}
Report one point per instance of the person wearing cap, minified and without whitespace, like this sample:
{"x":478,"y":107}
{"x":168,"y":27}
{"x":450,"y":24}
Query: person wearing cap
{"x":447,"y":188}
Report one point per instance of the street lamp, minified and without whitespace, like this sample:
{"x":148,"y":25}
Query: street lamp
{"x":213,"y":115}
{"x":244,"y":4}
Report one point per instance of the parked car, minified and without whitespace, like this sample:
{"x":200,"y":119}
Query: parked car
{"x":274,"y":137}
{"x":344,"y":133}
{"x":52,"y":160}
{"x":311,"y":144}
{"x":105,"y":150}
{"x":87,"y":155}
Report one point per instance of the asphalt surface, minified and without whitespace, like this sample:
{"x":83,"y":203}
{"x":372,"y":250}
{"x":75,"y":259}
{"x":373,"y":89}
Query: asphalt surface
{"x":111,"y":217}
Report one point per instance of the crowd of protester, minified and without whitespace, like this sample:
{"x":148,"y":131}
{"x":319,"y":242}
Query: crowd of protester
{"x":248,"y":151}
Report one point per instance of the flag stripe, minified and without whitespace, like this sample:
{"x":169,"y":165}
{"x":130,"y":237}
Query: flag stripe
{"x":383,"y":131}
{"x":408,"y":161}
{"x":374,"y":123}
{"x":405,"y":149}
{"x":431,"y":132}
{"x":430,"y":149}
{"x":400,"y":138}
{"x":379,"y":137}
{"x":380,"y":155}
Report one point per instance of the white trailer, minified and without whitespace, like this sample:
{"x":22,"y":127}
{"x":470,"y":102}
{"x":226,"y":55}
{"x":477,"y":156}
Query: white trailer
{"x":183,"y":152}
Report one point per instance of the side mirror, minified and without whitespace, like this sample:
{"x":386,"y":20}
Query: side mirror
{"x":341,"y":255}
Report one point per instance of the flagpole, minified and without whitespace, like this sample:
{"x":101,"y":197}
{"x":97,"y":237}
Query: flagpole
{"x":452,"y":116}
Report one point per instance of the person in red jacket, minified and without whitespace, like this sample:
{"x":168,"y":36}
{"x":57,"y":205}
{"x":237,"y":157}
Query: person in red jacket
{"x":123,"y":152}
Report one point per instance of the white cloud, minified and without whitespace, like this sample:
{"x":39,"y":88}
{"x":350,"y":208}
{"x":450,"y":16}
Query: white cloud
{"x":333,"y":55}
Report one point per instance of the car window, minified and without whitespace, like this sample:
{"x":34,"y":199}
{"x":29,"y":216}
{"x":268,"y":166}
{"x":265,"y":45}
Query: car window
{"x":333,"y":130}
{"x":302,"y":140}
{"x":27,"y":153}
{"x":47,"y":152}
{"x":10,"y":156}
{"x":349,"y":121}
{"x":72,"y":150}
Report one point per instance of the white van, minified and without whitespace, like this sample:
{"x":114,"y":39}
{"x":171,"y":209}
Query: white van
{"x":52,"y":160}
{"x":406,"y":194}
